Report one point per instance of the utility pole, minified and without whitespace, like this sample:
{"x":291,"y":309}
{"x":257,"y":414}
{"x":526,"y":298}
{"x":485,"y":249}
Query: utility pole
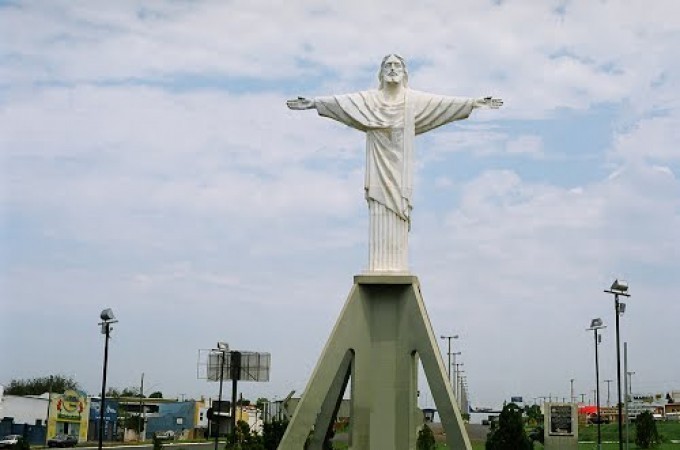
{"x":608,"y":381}
{"x":572,"y":390}
{"x":583,"y":397}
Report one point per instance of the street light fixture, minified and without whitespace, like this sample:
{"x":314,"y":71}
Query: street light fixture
{"x":448,"y":367}
{"x":595,"y":325}
{"x":107,"y":318}
{"x":619,"y":287}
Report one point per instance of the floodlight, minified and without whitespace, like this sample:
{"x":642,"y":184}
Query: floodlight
{"x":620,"y":286}
{"x":107,"y":315}
{"x":596,"y":323}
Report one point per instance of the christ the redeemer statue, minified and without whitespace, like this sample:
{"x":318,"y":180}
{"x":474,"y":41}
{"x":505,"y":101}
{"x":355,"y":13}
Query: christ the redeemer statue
{"x":391,"y":116}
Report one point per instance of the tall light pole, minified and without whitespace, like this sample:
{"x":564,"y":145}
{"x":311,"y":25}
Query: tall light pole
{"x":455,"y":374}
{"x":595,"y":325}
{"x":461,"y":382}
{"x":223,"y":348}
{"x":448,"y":367}
{"x":107,"y":319}
{"x":619,"y":287}
{"x":630,"y":384}
{"x":458,"y":371}
{"x":608,"y":383}
{"x":571,"y":390}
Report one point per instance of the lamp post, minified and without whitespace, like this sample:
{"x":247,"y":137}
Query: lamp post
{"x":457,"y":371}
{"x":595,"y":325}
{"x":630,"y":384}
{"x":455,"y":374}
{"x":460,"y":384}
{"x":107,"y":319}
{"x":223,"y":348}
{"x":619,"y":287}
{"x":448,"y":367}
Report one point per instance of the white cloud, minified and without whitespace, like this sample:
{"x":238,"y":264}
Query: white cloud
{"x":531,"y":145}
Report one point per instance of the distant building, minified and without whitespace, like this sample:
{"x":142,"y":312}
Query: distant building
{"x":24,"y":415}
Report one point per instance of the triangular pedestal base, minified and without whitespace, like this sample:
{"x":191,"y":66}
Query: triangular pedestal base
{"x":382,"y":331}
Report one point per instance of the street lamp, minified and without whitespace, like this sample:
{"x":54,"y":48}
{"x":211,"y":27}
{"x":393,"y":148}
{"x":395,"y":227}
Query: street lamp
{"x":619,"y":287}
{"x":454,"y":383}
{"x":448,"y":367}
{"x":223,"y":348}
{"x":107,"y":319}
{"x":595,"y":325}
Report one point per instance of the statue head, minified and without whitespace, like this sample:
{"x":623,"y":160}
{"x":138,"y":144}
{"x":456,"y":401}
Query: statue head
{"x":393,"y":70}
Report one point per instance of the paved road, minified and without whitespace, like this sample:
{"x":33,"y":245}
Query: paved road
{"x":167,"y":445}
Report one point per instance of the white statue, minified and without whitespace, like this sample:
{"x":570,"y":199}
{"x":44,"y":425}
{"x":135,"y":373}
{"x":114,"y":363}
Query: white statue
{"x":391,"y":116}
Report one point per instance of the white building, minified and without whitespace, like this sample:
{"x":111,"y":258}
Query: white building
{"x":31,"y":410}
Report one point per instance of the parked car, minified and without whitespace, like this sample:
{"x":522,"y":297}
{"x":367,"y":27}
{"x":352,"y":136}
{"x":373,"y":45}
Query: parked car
{"x":62,"y":440}
{"x":165,"y":435}
{"x":10,"y":440}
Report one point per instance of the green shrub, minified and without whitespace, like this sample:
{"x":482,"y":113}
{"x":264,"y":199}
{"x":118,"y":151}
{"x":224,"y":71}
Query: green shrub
{"x":157,"y":443}
{"x":425,"y":439}
{"x":646,"y":434}
{"x":510,"y":433}
{"x":22,"y":444}
{"x":272,"y":433}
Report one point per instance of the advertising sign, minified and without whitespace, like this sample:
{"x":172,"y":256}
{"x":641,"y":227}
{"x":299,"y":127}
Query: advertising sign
{"x":69,"y":414}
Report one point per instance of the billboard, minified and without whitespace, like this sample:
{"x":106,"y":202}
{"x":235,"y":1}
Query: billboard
{"x":253,"y":366}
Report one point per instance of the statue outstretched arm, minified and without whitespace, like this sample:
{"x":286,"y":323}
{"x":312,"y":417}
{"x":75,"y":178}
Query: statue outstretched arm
{"x":301,"y":103}
{"x":487,"y":102}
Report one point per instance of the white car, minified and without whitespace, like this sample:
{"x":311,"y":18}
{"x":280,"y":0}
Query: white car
{"x":10,"y":440}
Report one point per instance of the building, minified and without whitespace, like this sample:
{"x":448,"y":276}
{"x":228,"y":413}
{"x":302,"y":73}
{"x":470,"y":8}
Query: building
{"x":69,"y":413}
{"x":24,"y":415}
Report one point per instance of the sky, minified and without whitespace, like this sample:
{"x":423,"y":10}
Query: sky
{"x":150,"y":166}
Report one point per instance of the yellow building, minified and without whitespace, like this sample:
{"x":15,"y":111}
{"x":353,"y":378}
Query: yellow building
{"x":69,"y":413}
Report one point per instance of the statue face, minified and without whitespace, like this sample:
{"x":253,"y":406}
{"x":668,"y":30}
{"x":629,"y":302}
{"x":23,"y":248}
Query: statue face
{"x":393,"y":70}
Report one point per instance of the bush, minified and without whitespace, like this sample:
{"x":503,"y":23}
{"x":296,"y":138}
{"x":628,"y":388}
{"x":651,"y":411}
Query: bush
{"x":245,"y":440}
{"x":646,"y":434}
{"x":425,"y":439}
{"x":537,"y":434}
{"x":272,"y":433}
{"x":157,"y":443}
{"x":510,"y":433}
{"x":22,"y":444}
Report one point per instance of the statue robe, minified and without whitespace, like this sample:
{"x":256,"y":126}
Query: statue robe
{"x":390,"y":129}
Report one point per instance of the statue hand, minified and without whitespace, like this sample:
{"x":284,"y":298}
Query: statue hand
{"x":301,"y":103}
{"x":488,"y":102}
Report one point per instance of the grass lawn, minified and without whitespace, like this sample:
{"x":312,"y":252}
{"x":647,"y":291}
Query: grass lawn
{"x":668,"y":430}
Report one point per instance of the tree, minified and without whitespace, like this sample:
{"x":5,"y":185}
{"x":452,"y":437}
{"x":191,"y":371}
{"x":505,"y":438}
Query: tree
{"x":646,"y":434}
{"x":38,"y":386}
{"x":425,"y":439}
{"x":272,"y":433}
{"x":509,"y":434}
{"x":260,"y":402}
{"x":157,"y":394}
{"x":114,"y":392}
{"x":534,"y":415}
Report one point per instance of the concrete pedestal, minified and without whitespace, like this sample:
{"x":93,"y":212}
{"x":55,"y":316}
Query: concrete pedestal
{"x":382,"y":332}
